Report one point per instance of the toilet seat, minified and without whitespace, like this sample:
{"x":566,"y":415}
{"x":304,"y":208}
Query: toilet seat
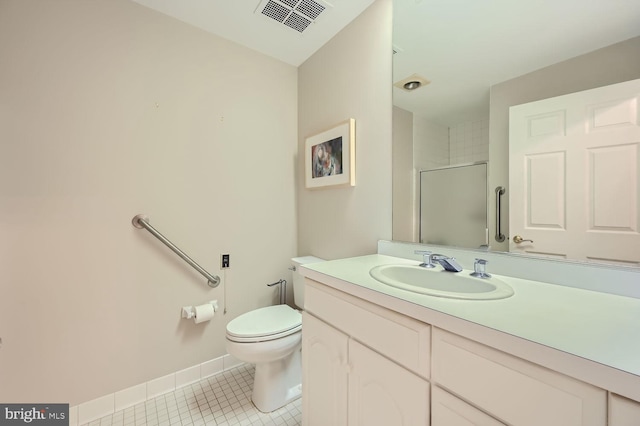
{"x":269,"y":323}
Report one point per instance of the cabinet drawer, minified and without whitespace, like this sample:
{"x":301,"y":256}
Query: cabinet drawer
{"x":400,"y":338}
{"x":623,"y":411}
{"x":513,"y":390}
{"x":447,"y":410}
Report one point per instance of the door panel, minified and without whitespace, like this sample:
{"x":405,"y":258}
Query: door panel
{"x":545,"y":192}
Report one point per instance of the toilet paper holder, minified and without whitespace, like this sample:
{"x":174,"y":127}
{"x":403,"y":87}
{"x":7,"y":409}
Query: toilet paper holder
{"x":282,"y":289}
{"x":189,"y":312}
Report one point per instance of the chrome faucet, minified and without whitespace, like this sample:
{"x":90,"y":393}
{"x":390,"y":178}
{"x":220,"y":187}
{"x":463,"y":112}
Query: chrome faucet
{"x":448,"y":263}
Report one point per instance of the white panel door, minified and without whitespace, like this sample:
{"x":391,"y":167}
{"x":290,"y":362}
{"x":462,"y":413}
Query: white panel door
{"x":324,"y":380}
{"x":381,"y":393}
{"x":574,"y":175}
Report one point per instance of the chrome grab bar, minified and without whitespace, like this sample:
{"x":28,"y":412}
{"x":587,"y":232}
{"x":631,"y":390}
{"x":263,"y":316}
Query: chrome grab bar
{"x":499,"y":193}
{"x":141,"y":221}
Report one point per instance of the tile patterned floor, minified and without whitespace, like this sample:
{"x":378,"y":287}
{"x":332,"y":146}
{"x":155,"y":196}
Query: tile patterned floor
{"x":223,"y":399}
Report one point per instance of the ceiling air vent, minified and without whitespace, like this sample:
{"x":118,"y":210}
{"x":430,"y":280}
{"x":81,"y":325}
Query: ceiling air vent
{"x":295,"y":14}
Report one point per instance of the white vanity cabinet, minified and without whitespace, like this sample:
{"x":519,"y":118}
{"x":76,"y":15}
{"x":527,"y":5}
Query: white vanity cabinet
{"x":349,"y":377}
{"x":542,"y":357}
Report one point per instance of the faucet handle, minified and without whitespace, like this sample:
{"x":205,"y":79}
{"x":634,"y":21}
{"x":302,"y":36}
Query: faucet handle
{"x":479,"y":269}
{"x":426,"y":258}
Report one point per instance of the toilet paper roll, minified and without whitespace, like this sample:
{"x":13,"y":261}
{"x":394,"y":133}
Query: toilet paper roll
{"x":203,"y":313}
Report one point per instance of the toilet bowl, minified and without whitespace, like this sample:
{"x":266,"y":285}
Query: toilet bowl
{"x":271,"y":338}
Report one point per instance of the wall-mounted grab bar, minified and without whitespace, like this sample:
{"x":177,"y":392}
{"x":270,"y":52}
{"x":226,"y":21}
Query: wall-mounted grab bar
{"x":499,"y":193}
{"x":141,"y":221}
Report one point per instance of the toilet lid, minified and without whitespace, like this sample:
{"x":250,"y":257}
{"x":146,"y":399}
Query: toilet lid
{"x":278,"y":320}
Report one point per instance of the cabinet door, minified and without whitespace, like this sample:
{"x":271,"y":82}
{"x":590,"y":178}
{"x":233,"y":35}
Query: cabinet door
{"x":381,"y":393}
{"x":324,"y":377}
{"x":447,"y":410}
{"x":623,"y":411}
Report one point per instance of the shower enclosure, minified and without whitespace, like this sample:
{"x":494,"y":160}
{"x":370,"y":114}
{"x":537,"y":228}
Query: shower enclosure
{"x":453,"y":206}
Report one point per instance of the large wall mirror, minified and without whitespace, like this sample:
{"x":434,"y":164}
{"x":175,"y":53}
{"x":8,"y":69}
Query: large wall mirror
{"x":460,"y":65}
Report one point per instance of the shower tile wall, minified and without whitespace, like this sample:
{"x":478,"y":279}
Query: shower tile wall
{"x":438,"y":146}
{"x":430,"y":145}
{"x":469,"y":142}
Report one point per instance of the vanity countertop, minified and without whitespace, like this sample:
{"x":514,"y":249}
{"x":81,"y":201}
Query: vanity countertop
{"x":589,"y":335}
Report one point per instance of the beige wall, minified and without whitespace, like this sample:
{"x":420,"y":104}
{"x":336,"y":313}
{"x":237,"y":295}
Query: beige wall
{"x":614,"y":64}
{"x":349,"y":77}
{"x":108,"y":109}
{"x":403,"y":177}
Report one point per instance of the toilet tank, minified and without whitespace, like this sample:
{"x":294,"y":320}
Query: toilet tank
{"x":298,"y":280}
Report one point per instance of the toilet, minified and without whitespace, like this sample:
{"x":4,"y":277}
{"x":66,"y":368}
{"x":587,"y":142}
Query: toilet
{"x":271,"y":338}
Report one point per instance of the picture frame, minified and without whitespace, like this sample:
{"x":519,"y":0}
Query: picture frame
{"x":330,"y":157}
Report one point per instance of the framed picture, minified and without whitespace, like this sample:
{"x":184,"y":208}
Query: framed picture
{"x":330,"y":157}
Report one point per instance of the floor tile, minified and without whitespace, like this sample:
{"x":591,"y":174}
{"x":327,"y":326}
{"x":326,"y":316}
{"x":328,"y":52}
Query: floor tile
{"x":220,"y":400}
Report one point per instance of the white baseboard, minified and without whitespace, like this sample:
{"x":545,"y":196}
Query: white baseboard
{"x":109,"y":404}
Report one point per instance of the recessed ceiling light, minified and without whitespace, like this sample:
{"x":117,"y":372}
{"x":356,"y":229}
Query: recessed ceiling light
{"x":412,"y":82}
{"x":412,"y":85}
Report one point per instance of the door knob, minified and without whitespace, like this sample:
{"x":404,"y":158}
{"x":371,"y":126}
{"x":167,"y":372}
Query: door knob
{"x":518,"y":239}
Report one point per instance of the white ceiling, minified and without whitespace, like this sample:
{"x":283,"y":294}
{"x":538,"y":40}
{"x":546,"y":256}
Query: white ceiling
{"x":462,"y":46}
{"x":237,"y":21}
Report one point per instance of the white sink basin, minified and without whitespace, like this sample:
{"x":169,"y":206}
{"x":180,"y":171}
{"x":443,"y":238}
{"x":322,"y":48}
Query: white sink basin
{"x":436,"y":282}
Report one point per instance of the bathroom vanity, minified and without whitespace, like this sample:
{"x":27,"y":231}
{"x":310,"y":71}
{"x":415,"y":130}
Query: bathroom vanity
{"x":378,"y":355}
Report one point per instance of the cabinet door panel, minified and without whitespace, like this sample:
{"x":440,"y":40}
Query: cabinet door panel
{"x":381,"y":393}
{"x":324,"y":373}
{"x":447,"y":410}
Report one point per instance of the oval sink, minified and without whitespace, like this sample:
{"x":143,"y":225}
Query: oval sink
{"x":456,"y":285}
